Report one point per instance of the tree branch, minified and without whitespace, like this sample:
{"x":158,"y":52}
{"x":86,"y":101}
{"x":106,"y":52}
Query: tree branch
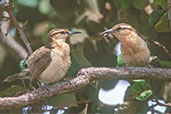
{"x":9,"y":43}
{"x":9,"y":9}
{"x":169,"y":12}
{"x":160,"y":46}
{"x":162,"y":104}
{"x":84,"y":77}
{"x":13,"y":47}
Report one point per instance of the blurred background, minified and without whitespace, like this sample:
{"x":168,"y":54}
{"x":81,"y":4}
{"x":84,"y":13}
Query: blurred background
{"x":38,"y":17}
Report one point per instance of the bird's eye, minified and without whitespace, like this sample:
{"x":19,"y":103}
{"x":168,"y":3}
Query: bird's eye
{"x":62,"y":32}
{"x":119,"y":28}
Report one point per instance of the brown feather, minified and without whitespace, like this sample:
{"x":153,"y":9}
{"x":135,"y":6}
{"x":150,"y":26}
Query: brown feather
{"x":39,"y":61}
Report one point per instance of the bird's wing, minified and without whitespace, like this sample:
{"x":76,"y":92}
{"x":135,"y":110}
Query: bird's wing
{"x":38,"y":62}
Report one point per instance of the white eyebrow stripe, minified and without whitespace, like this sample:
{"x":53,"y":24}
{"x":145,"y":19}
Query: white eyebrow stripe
{"x":56,"y":32}
{"x":124,"y":26}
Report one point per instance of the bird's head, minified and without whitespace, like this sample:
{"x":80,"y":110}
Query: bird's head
{"x":120,"y":30}
{"x":59,"y":34}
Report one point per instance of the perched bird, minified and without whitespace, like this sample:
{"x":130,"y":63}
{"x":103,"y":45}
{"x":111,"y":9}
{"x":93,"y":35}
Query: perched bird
{"x":135,"y":51}
{"x":49,"y":63}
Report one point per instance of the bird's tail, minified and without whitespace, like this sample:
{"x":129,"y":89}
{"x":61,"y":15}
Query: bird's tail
{"x":25,"y":74}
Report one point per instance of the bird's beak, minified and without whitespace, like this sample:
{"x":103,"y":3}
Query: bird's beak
{"x":108,"y":31}
{"x":74,"y":32}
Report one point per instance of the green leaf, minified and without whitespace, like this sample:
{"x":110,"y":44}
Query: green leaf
{"x":120,"y":61}
{"x":23,"y":64}
{"x":163,"y":25}
{"x":144,"y":83}
{"x":136,"y":89}
{"x":141,"y":81}
{"x":122,"y":4}
{"x":140,"y":89}
{"x":144,"y":95}
{"x":162,"y":3}
{"x":65,"y":100}
{"x":155,"y":16}
{"x":28,"y":3}
{"x":140,"y":4}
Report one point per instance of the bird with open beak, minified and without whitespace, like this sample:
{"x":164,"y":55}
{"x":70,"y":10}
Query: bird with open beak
{"x":135,"y":51}
{"x":49,"y":63}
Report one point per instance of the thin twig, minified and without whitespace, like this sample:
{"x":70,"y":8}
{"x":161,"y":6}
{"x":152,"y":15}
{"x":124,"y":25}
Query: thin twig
{"x":160,"y":45}
{"x":159,"y":103}
{"x":9,"y":9}
{"x":156,"y":112}
{"x":85,"y":77}
{"x":155,"y":43}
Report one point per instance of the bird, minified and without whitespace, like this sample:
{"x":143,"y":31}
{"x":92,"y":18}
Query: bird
{"x":49,"y":63}
{"x":134,"y":49}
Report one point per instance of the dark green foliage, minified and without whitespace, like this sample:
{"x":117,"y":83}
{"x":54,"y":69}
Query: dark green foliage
{"x":141,"y":89}
{"x":91,"y":16}
{"x":162,"y":3}
{"x":23,"y":64}
{"x":155,"y":16}
{"x":120,"y":61}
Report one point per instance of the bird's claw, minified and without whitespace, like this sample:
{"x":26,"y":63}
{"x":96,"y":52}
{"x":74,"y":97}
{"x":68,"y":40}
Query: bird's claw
{"x":32,"y":87}
{"x":67,"y":80}
{"x":42,"y":85}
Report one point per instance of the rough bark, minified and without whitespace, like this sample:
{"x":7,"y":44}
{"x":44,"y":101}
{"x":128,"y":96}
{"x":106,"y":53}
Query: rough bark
{"x":84,"y":77}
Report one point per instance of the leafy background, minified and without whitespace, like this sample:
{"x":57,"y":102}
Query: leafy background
{"x":88,"y":49}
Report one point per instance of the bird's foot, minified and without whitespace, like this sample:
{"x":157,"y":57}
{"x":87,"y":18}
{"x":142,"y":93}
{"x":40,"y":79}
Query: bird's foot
{"x":67,"y":80}
{"x":42,"y":85}
{"x":149,"y":65}
{"x":32,"y":87}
